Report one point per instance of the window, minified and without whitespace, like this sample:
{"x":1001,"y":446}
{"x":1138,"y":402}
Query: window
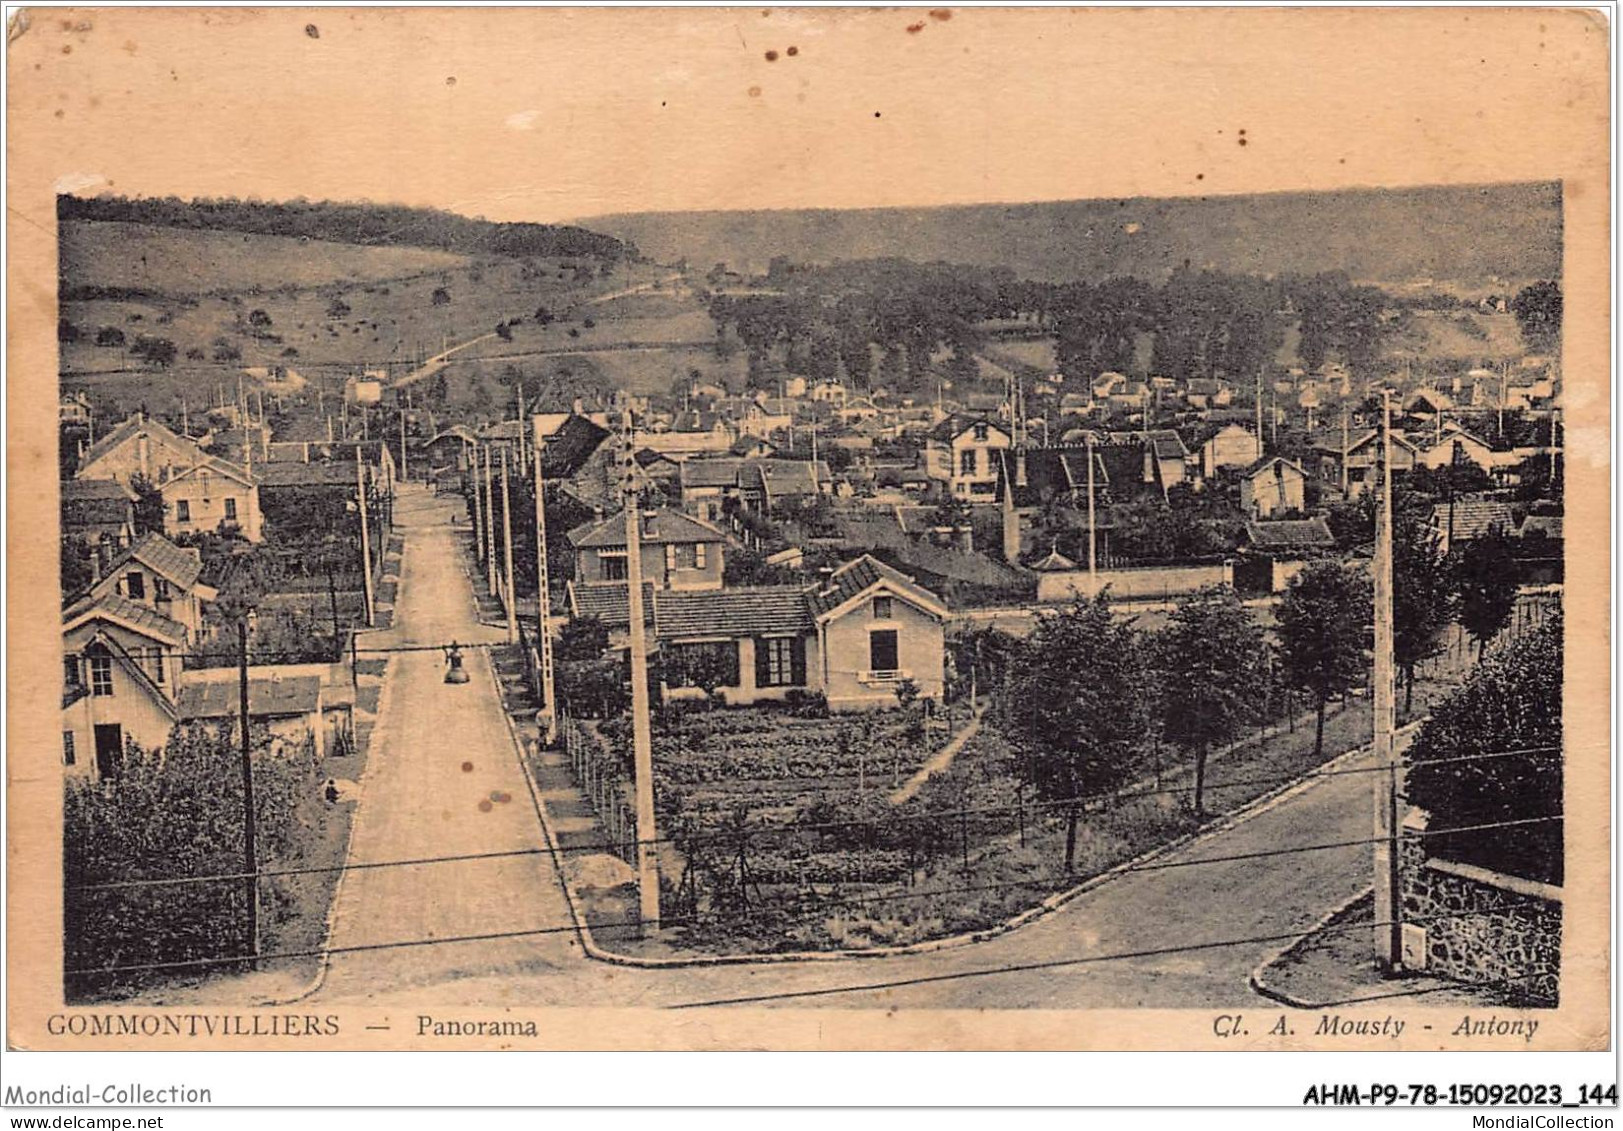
{"x":969,"y":462}
{"x":614,"y":566}
{"x":160,"y":589}
{"x":71,"y":676}
{"x":982,"y":433}
{"x":135,"y":585}
{"x":183,"y":510}
{"x":698,"y":555}
{"x":713,"y":664}
{"x":231,"y":510}
{"x":780,"y":661}
{"x":670,"y":556}
{"x":67,"y":748}
{"x":882,"y":651}
{"x":157,"y":668}
{"x":882,"y":609}
{"x":101,"y":675}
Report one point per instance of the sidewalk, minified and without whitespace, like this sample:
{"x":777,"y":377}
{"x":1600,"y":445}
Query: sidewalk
{"x":1333,"y":965}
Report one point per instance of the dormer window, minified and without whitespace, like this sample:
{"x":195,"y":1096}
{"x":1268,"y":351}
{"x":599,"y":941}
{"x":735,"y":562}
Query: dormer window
{"x":982,"y":432}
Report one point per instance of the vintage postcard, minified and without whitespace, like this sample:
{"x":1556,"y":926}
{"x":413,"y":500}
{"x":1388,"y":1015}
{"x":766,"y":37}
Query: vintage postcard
{"x":730,"y":528}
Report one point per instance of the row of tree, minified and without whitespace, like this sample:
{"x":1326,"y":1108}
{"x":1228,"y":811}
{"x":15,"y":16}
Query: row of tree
{"x":1087,"y":693}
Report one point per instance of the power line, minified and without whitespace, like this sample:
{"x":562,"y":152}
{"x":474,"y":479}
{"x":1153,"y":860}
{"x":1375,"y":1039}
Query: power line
{"x":733,"y":836}
{"x":225,"y":877}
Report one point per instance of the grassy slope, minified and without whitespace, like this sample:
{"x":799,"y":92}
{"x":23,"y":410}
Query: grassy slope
{"x":1470,"y":233}
{"x":179,"y":262}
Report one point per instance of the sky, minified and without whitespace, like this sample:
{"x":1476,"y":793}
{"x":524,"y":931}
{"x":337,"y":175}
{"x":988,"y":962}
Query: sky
{"x":551,"y":115}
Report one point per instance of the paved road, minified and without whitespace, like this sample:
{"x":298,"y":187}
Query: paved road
{"x":417,"y":800}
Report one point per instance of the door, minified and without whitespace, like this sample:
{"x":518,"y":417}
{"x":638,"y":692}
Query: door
{"x":109,"y":749}
{"x":882,"y":650}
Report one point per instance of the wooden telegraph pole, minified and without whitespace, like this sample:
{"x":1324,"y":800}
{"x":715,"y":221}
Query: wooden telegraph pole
{"x":1388,"y":933}
{"x":641,"y":730}
{"x":366,"y":536}
{"x":250,"y":856}
{"x":508,"y":590}
{"x":1093,"y":531}
{"x":543,"y":599}
{"x":490,"y":533}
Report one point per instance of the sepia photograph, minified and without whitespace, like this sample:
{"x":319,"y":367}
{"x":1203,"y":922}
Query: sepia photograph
{"x":733,"y":546}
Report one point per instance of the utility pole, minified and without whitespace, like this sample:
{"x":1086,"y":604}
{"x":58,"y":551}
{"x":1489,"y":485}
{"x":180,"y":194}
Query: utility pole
{"x":1093,"y":530}
{"x":250,"y":864}
{"x":1344,"y":442}
{"x":480,"y":521}
{"x":366,"y":536}
{"x":1388,"y":933}
{"x":403,"y":444}
{"x":490,"y":527}
{"x":1259,"y":413}
{"x":641,"y":730}
{"x":543,"y":599}
{"x":507,"y":558}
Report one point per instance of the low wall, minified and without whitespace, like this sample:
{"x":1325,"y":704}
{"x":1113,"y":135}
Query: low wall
{"x":1134,"y":584}
{"x":1476,"y":925}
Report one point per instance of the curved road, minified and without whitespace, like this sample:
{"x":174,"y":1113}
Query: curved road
{"x":418,"y":801}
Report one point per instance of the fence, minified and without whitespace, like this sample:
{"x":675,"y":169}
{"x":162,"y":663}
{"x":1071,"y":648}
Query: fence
{"x":602,"y":780}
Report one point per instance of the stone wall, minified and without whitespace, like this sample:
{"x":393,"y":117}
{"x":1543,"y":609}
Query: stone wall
{"x":1479,"y":926}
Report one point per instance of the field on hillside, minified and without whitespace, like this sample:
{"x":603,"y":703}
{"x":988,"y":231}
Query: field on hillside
{"x":230,"y":302}
{"x":1472,"y":233}
{"x":173,"y":261}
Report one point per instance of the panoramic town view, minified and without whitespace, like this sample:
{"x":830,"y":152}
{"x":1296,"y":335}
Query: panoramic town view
{"x":1108,"y":603}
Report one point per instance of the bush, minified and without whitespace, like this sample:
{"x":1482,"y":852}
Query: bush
{"x":109,"y":336}
{"x":155,"y":351}
{"x":1511,"y":702}
{"x":172,"y":813}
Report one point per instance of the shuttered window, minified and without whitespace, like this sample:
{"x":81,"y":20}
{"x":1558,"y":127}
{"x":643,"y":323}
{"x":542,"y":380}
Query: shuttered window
{"x":780,"y":661}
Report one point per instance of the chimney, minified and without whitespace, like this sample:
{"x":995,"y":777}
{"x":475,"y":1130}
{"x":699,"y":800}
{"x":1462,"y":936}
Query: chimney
{"x":1020,"y":467}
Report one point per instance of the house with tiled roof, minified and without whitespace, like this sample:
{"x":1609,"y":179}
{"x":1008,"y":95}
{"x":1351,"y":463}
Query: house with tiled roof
{"x":1031,"y":479}
{"x":1452,"y":446}
{"x":853,"y":637}
{"x":99,"y":513}
{"x":1273,"y":486}
{"x":139,"y":447}
{"x":121,"y":665}
{"x":1282,"y":548}
{"x":289,"y":707}
{"x":959,"y":452}
{"x":678,"y":550}
{"x":1361,"y":458}
{"x":1467,"y":519}
{"x":158,"y":575}
{"x":765,"y":484}
{"x":212,"y":495}
{"x":584,"y":458}
{"x":705,"y":485}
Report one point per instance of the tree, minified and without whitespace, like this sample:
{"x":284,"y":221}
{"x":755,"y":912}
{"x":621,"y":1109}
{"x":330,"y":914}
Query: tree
{"x":338,"y":308}
{"x":504,"y":331}
{"x":1511,"y":702}
{"x":77,"y":570}
{"x":1422,"y":595}
{"x":440,"y":297}
{"x":66,"y":331}
{"x":581,"y":638}
{"x":1207,"y":660}
{"x":155,"y":351}
{"x":259,"y":320}
{"x":1324,"y":625}
{"x":1485,"y":579}
{"x":148,"y":505}
{"x":1537,"y":308}
{"x":1069,"y":707}
{"x":109,"y":336}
